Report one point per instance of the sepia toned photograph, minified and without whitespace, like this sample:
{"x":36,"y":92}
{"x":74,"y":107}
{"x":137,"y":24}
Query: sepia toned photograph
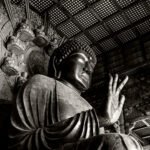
{"x":74,"y":74}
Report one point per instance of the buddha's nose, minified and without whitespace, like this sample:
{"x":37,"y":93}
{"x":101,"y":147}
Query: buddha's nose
{"x":88,"y":68}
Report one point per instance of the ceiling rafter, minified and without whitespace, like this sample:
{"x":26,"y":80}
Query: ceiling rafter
{"x":57,"y":30}
{"x":126,"y":28}
{"x":67,"y":13}
{"x":104,"y":56}
{"x":125,"y":17}
{"x":53,"y":26}
{"x":121,"y":12}
{"x":146,"y":6}
{"x":106,"y":18}
{"x":102,"y":22}
{"x":47,"y":9}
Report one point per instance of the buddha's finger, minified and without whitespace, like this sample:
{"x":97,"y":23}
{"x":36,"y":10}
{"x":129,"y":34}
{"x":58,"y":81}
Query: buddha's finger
{"x":110,"y":83}
{"x":115,"y":82}
{"x":122,"y":84}
{"x":122,"y":100}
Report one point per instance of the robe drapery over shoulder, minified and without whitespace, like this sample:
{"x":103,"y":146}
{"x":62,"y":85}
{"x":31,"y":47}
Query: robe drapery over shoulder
{"x":50,"y":115}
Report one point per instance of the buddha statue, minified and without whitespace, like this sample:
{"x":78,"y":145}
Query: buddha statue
{"x":50,"y":113}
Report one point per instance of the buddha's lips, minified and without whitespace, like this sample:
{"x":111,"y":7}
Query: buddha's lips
{"x":85,"y":77}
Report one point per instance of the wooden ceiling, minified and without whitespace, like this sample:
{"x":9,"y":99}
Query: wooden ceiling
{"x":103,"y":24}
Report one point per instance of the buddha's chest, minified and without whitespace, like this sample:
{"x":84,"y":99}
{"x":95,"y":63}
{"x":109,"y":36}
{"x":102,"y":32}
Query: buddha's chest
{"x":70,"y":104}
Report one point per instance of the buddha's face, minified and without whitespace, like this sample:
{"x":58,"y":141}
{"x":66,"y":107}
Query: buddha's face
{"x":77,"y":70}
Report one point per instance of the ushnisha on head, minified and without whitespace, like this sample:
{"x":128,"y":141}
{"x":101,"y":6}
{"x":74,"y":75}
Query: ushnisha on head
{"x":73,"y":62}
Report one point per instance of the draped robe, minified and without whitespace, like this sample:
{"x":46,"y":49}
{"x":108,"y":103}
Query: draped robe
{"x":50,"y":115}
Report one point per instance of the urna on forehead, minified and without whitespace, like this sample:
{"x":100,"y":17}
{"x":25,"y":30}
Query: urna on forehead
{"x":71,"y":47}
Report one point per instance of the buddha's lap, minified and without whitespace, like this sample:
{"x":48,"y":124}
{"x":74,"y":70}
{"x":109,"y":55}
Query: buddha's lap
{"x":112,"y":141}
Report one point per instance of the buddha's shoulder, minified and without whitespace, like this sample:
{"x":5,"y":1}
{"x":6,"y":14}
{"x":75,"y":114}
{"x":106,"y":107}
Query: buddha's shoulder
{"x":41,"y":81}
{"x":42,"y":78}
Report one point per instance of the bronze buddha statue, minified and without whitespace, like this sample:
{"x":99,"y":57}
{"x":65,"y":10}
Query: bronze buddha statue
{"x":51,"y":114}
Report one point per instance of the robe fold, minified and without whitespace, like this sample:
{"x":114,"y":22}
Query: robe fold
{"x":50,"y":115}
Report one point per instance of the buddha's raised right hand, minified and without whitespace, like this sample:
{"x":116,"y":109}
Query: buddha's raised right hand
{"x":114,"y":103}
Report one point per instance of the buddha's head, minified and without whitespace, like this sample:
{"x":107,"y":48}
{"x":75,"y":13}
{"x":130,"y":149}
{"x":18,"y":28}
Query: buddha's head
{"x":74,"y":63}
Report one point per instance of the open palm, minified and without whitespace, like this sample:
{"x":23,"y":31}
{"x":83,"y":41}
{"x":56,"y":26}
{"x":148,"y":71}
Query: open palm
{"x":115,"y":101}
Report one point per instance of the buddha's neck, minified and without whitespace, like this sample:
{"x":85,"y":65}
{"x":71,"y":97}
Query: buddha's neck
{"x":70,"y":85}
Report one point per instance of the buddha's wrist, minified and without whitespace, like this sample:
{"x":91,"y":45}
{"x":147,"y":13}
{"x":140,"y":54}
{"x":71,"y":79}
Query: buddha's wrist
{"x":104,"y":121}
